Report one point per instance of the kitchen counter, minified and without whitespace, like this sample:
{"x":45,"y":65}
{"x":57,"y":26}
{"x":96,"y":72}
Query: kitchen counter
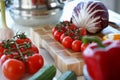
{"x":114,"y":17}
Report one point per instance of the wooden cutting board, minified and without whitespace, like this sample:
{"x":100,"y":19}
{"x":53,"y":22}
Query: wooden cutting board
{"x":65,"y":59}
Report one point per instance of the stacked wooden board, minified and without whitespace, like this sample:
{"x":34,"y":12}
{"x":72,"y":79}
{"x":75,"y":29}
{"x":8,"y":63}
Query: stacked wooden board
{"x":65,"y":59}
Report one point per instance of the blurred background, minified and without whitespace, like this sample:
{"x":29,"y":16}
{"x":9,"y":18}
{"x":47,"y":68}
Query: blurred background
{"x":112,"y":4}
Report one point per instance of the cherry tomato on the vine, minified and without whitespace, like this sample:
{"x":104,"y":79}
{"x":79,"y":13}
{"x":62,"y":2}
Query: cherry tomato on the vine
{"x":83,"y":31}
{"x":4,"y":58}
{"x":34,"y":63}
{"x":21,"y":41}
{"x":53,"y":30}
{"x":57,"y":35}
{"x":76,"y":45}
{"x":83,"y":46}
{"x":62,"y":37}
{"x":72,"y":27}
{"x":34,"y":48}
{"x":34,"y":2}
{"x":67,"y":42}
{"x":13,"y":69}
{"x":1,"y":51}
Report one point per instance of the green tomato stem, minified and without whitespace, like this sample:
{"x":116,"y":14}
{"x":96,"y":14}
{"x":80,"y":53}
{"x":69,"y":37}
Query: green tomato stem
{"x":21,"y":55}
{"x":87,"y":40}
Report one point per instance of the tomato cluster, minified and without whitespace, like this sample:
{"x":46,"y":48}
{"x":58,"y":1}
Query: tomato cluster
{"x":69,"y":35}
{"x":19,"y":56}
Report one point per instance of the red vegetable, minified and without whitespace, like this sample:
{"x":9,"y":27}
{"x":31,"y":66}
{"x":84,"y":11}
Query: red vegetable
{"x":57,"y":35}
{"x":34,"y":63}
{"x":76,"y":45}
{"x":19,"y":56}
{"x":22,"y":38}
{"x":83,"y":46}
{"x":13,"y":69}
{"x":92,"y":15}
{"x":4,"y":58}
{"x":67,"y":42}
{"x":102,"y":59}
{"x":1,"y":50}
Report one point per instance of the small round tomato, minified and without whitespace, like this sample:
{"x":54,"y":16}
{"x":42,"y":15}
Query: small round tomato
{"x":34,"y":63}
{"x":1,"y":50}
{"x":83,"y":46}
{"x":21,"y":41}
{"x":83,"y":31}
{"x":53,"y":30}
{"x":76,"y":45}
{"x":13,"y":69}
{"x":62,"y":36}
{"x":4,"y":58}
{"x":34,"y":2}
{"x":34,"y":48}
{"x":72,"y":26}
{"x":67,"y":42}
{"x":57,"y":35}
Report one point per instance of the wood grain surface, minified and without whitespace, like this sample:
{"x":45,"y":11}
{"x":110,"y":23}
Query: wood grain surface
{"x":65,"y":59}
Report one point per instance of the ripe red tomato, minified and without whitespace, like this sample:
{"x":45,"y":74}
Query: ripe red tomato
{"x":4,"y":58}
{"x":1,"y":51}
{"x":53,"y":30}
{"x":34,"y":63}
{"x":22,"y":40}
{"x":67,"y":42}
{"x":62,"y":36}
{"x":72,"y":27}
{"x":83,"y":46}
{"x":34,"y":48}
{"x":13,"y":69}
{"x":57,"y":35}
{"x":76,"y":45}
{"x":34,"y":2}
{"x":83,"y":31}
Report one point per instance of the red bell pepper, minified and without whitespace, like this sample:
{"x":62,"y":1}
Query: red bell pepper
{"x":102,"y":59}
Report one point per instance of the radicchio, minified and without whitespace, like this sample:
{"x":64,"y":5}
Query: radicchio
{"x":92,"y":15}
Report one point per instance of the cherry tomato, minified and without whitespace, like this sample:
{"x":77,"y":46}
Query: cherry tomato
{"x":4,"y":58}
{"x":42,"y":2}
{"x":83,"y":46}
{"x":21,"y":41}
{"x":67,"y":42}
{"x":34,"y":2}
{"x":1,"y":51}
{"x":34,"y":48}
{"x":57,"y":35}
{"x":66,"y":22}
{"x":13,"y":69}
{"x":72,"y":27}
{"x":76,"y":45}
{"x":83,"y":31}
{"x":34,"y":63}
{"x":53,"y":30}
{"x":62,"y":36}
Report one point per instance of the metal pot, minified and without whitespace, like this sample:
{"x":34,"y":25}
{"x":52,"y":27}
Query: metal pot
{"x":35,"y":12}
